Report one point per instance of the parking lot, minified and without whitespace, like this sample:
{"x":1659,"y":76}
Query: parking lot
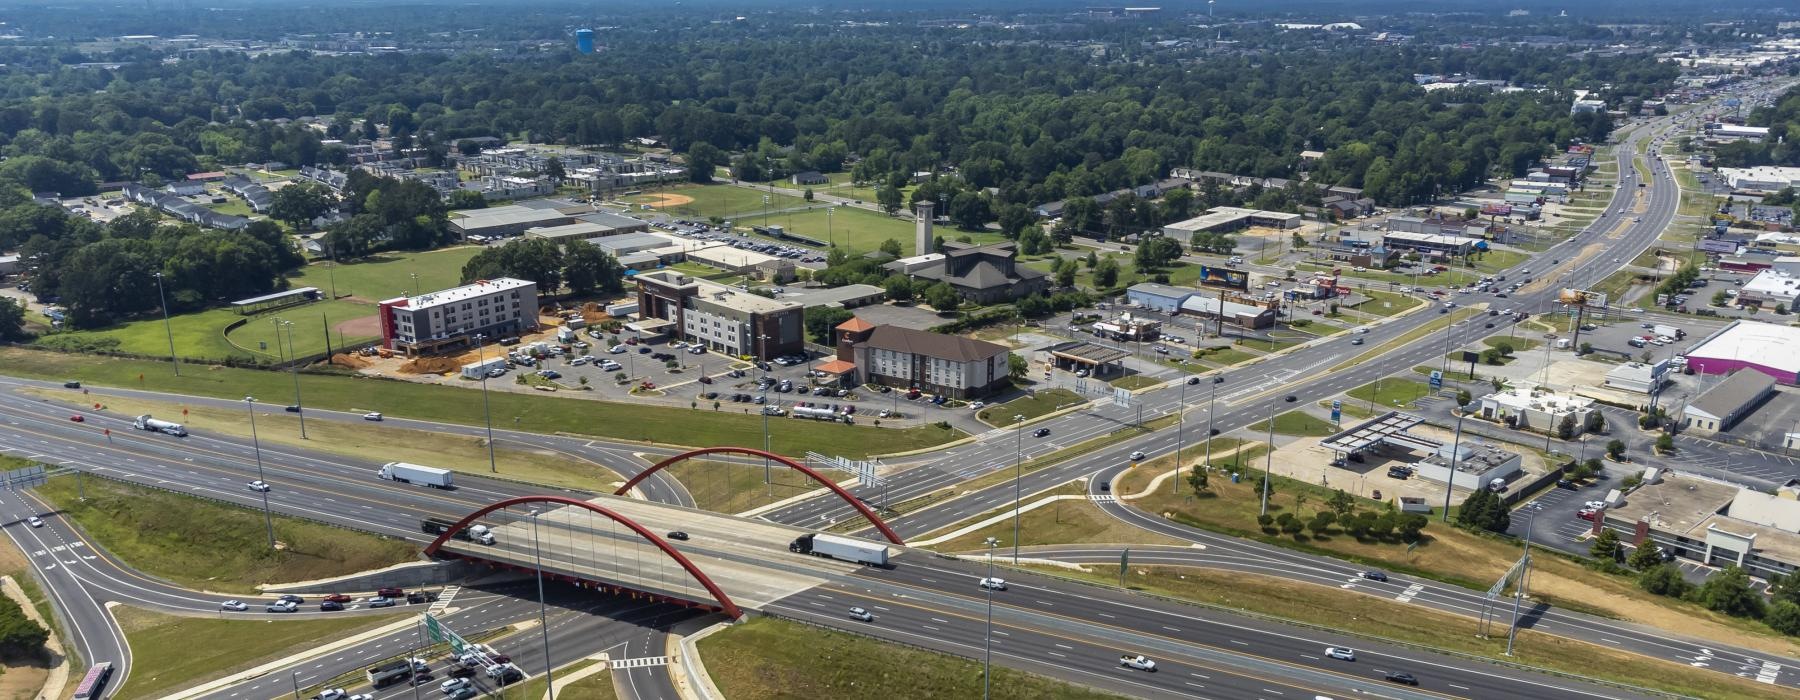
{"x":1551,"y":516}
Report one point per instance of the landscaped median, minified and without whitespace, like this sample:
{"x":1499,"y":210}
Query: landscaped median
{"x":170,"y":652}
{"x":451,"y":404}
{"x":1412,"y":336}
{"x":209,"y":545}
{"x":765,"y":658}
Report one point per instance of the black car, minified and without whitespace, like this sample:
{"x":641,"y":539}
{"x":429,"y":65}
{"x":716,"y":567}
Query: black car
{"x":293,"y":408}
{"x":1402,"y":677}
{"x":459,"y":671}
{"x":71,"y":385}
{"x":1565,"y":484}
{"x":678,"y":535}
{"x":1400,"y":472}
{"x":330,"y":605}
{"x":1040,"y":432}
{"x":1375,"y":576}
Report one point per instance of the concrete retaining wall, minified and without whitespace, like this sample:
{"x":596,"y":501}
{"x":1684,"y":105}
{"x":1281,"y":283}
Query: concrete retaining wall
{"x":409,"y":575}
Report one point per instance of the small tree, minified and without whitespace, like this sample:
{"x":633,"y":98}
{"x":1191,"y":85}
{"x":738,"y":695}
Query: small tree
{"x":1341,"y":502}
{"x":1615,"y":449}
{"x":807,"y":195}
{"x":1290,"y":524}
{"x":1645,"y":556}
{"x":1412,"y":526}
{"x":1729,"y":592}
{"x":1265,"y":521}
{"x":1665,"y":579}
{"x":1321,"y":522}
{"x":1783,"y":617}
{"x":1596,"y":423}
{"x":1665,"y":443}
{"x":1490,"y":356}
{"x":1585,"y":349}
{"x":1565,"y":429}
{"x":1719,"y":298}
{"x":1197,"y":480}
{"x":1605,"y":546}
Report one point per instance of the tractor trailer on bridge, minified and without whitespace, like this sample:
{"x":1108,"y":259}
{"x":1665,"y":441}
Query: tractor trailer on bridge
{"x":145,"y":422}
{"x":415,"y":474}
{"x":473,"y":533}
{"x":843,"y":548}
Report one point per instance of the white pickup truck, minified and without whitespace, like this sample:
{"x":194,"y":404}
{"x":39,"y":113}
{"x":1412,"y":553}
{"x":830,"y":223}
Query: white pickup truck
{"x":1138,"y":661}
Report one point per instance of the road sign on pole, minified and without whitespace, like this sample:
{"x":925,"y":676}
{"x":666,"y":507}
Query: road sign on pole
{"x":1337,"y":411}
{"x":1437,"y":380}
{"x":1121,"y":396}
{"x":439,"y":633}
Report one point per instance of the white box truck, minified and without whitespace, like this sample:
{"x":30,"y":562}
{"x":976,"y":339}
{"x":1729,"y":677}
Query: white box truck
{"x":415,"y":474}
{"x":145,"y":422}
{"x":842,"y":548}
{"x":1664,"y":329}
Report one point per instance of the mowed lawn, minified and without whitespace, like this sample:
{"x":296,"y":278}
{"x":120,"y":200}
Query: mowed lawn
{"x":388,"y":275}
{"x":855,"y":229}
{"x":720,"y":200}
{"x":202,"y":335}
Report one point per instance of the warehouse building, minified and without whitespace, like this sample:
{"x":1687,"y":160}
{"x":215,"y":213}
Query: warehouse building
{"x":1433,"y":244}
{"x":1764,"y":347}
{"x":1230,"y":219}
{"x":501,"y":222}
{"x":1726,"y":403}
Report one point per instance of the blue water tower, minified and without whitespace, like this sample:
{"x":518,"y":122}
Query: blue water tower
{"x":584,"y":40}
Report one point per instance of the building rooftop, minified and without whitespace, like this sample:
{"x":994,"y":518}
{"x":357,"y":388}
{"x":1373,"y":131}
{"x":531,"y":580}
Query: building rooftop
{"x":1371,"y":432}
{"x":1161,"y":290}
{"x":1764,"y":344}
{"x":506,"y":216}
{"x":940,"y":345}
{"x":1220,"y":216}
{"x":611,"y":220}
{"x":1727,"y":397}
{"x":582,"y":228}
{"x":1538,"y":399}
{"x":717,"y":293}
{"x":1678,"y":503}
{"x":467,"y":291}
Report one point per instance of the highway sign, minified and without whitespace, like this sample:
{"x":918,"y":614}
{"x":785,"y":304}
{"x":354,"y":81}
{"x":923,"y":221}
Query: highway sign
{"x":26,"y":477}
{"x":1121,"y":396}
{"x":439,"y":633}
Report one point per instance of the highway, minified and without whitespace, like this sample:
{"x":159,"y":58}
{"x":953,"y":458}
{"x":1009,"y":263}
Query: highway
{"x":344,"y":491}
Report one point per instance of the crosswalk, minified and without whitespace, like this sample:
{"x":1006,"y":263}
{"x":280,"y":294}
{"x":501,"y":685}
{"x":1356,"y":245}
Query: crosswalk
{"x":1406,"y":596}
{"x":640,"y":662}
{"x":1103,"y":499}
{"x":444,"y":598}
{"x":1768,"y":673}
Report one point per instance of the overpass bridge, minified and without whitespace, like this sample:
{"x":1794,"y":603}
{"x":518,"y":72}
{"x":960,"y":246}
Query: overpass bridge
{"x":624,"y":546}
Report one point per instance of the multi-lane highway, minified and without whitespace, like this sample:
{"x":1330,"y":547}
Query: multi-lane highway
{"x":1063,"y":629}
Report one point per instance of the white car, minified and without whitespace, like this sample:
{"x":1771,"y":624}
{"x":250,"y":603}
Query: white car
{"x":1596,"y":505}
{"x":1344,"y":653}
{"x":259,"y":486}
{"x":577,"y":362}
{"x":1139,"y":662}
{"x":1135,"y":456}
{"x":996,"y":584}
{"x":453,"y":685}
{"x":371,"y":416}
{"x":332,"y":694}
{"x":234,"y":605}
{"x":617,"y":349}
{"x":978,"y":405}
{"x":34,"y":521}
{"x":861,"y":614}
{"x":361,"y":696}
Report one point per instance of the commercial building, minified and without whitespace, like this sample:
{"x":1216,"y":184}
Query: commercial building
{"x":1639,"y":377}
{"x":449,"y":318}
{"x":1158,"y":297}
{"x":983,"y":274}
{"x":1764,"y":347}
{"x":500,"y":222}
{"x":1726,"y":403}
{"x":1736,"y":132}
{"x":580,"y":230}
{"x":1235,"y":312}
{"x":723,"y":319}
{"x":934,"y":363}
{"x":1762,"y":178}
{"x":1221,"y":219}
{"x":1778,"y":284}
{"x":1527,"y":407}
{"x":1712,"y":523}
{"x":745,"y":262}
{"x":1433,"y":244}
{"x":1128,"y":328}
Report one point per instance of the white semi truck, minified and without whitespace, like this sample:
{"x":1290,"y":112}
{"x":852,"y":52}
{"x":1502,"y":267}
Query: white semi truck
{"x":145,"y":422}
{"x":842,"y":548}
{"x":415,"y":474}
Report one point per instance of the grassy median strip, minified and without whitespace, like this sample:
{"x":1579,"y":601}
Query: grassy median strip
{"x":596,"y":687}
{"x":377,"y":442}
{"x":213,"y":546}
{"x":734,"y":487}
{"x":1371,"y":615}
{"x":455,"y":404}
{"x":169,"y":652}
{"x":1069,"y":521}
{"x":1410,"y":337}
{"x":1039,"y":403}
{"x":766,"y":658}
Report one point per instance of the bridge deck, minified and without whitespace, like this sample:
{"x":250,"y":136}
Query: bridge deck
{"x":747,"y":558}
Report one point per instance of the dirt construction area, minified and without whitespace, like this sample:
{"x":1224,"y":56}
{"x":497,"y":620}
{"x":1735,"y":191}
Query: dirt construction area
{"x":662,"y":200}
{"x":364,"y":327}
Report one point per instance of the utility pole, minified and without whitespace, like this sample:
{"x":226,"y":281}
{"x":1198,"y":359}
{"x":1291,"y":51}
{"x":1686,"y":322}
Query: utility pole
{"x":1018,"y":477}
{"x":268,"y":520}
{"x":1269,"y":465}
{"x":170,"y":330}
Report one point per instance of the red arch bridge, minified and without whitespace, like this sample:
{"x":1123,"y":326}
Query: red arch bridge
{"x":624,"y":546}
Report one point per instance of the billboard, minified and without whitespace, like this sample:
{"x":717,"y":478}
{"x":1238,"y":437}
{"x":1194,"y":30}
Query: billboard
{"x":1593,"y":300}
{"x":1714,"y":245}
{"x":1224,"y":277}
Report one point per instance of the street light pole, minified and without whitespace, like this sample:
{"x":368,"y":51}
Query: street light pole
{"x":1269,"y":465}
{"x":1018,"y":477}
{"x":543,"y":609}
{"x":1212,"y":401}
{"x":762,"y":353}
{"x":987,"y":641}
{"x":268,"y":520}
{"x":1180,"y":424}
{"x":486,"y":415}
{"x":1455,"y":455}
{"x":170,"y":330}
{"x":294,"y":369}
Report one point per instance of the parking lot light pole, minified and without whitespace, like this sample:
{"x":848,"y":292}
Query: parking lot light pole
{"x":987,"y":641}
{"x":268,"y":520}
{"x":170,"y":330}
{"x":486,"y":416}
{"x":762,"y":347}
{"x":1018,"y":477}
{"x":1269,"y":465}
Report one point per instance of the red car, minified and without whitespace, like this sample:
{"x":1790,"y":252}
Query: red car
{"x":391,"y":593}
{"x":338,"y":598}
{"x":1586,"y":514}
{"x":78,"y":418}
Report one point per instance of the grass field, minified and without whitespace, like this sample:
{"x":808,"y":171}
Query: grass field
{"x":1303,"y":424}
{"x":202,"y":335}
{"x":728,"y":201}
{"x":767,"y":658}
{"x":1134,"y":382}
{"x":169,"y":653}
{"x":1038,"y":404}
{"x":1224,"y":356}
{"x":532,"y":412}
{"x":1386,"y":303}
{"x":1330,"y":607}
{"x":1063,"y":522}
{"x":1390,"y":392}
{"x":212,"y":546}
{"x":377,"y":442}
{"x":735,"y":487}
{"x":388,"y":275}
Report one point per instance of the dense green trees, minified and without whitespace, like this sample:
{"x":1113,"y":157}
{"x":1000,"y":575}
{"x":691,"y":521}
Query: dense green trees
{"x":20,"y":636}
{"x":582,"y":266}
{"x":299,"y":203}
{"x":1483,"y":509}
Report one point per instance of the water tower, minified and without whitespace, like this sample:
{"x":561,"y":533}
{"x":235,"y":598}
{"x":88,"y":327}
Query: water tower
{"x":584,"y":40}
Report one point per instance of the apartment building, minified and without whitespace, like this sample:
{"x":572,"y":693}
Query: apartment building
{"x":724,"y":319}
{"x":450,"y":318}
